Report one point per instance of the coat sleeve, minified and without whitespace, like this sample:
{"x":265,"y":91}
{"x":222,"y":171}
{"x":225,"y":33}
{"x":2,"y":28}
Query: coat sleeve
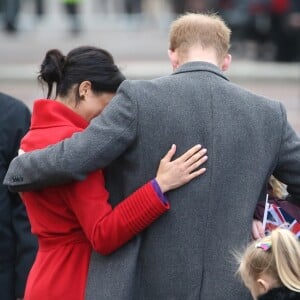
{"x":109,"y":228}
{"x":107,"y":136}
{"x":287,"y":169}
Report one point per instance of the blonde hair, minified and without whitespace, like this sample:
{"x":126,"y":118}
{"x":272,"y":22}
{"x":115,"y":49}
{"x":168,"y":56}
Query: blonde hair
{"x":281,"y":261}
{"x":278,"y":189}
{"x":207,"y":30}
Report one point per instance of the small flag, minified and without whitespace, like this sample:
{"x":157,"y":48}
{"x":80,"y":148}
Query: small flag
{"x":275,"y":216}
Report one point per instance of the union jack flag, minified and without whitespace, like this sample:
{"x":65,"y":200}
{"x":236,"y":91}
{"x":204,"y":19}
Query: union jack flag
{"x":275,"y":216}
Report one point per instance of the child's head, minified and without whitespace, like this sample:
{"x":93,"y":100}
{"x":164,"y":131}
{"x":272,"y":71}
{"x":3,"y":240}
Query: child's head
{"x":271,"y":262}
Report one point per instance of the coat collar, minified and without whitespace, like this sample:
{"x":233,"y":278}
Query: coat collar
{"x":50,"y":113}
{"x":281,"y":293}
{"x":195,"y":66}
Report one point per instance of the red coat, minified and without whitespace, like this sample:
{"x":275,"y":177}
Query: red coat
{"x":71,"y":219}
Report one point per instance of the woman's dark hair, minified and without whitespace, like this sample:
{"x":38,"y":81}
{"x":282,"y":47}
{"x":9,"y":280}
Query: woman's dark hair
{"x":81,"y":64}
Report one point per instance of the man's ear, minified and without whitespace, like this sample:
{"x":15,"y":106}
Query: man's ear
{"x":226,"y":62}
{"x":173,"y":56}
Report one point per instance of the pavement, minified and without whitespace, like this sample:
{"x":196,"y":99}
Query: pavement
{"x":139,"y":49}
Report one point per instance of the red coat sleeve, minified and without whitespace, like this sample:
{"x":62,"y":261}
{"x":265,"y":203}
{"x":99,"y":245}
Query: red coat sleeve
{"x":109,"y":228}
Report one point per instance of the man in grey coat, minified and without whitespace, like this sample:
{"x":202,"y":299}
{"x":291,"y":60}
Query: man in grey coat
{"x":187,"y":254}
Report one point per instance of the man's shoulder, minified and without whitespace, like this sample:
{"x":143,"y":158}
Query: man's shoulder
{"x":145,"y":82}
{"x":247,"y":94}
{"x":8,"y":99}
{"x":142,"y":86}
{"x":9,"y":103}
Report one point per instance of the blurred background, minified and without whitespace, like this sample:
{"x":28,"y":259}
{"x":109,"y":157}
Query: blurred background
{"x":265,"y":40}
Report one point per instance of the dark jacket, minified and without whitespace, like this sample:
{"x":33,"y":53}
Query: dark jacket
{"x":17,"y":245}
{"x":281,"y":293}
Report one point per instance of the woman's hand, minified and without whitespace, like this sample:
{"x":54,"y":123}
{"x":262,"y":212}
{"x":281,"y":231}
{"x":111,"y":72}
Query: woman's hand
{"x":257,"y":229}
{"x":173,"y":174}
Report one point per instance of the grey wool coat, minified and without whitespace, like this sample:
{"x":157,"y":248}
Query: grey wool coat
{"x":187,"y":253}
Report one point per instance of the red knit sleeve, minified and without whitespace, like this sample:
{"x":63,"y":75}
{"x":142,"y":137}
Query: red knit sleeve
{"x":109,"y":228}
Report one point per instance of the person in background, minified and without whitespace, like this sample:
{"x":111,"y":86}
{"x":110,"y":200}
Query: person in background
{"x":70,"y":220}
{"x":285,"y":29}
{"x":11,"y":9}
{"x":39,"y":8}
{"x":270,"y":267}
{"x":17,"y":245}
{"x":133,"y":6}
{"x":277,"y":195}
{"x":72,"y":8}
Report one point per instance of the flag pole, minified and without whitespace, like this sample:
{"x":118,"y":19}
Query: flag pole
{"x":266,"y":213}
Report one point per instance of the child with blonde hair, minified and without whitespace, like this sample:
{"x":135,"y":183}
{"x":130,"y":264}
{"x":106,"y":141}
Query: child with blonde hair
{"x":270,"y":267}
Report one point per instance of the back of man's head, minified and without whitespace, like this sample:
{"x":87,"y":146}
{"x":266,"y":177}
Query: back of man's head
{"x":194,"y":29}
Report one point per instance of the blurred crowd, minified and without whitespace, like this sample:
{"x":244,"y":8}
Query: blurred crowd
{"x":11,"y":9}
{"x":272,"y":25}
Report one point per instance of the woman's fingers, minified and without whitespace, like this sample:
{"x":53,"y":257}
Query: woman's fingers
{"x":188,"y":154}
{"x":198,"y":156}
{"x":168,"y":157}
{"x":193,"y":165}
{"x":193,"y":158}
{"x":195,"y":174}
{"x":172,"y":174}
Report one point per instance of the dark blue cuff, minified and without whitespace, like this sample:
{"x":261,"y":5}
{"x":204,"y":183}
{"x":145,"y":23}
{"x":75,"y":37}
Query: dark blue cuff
{"x":157,"y":189}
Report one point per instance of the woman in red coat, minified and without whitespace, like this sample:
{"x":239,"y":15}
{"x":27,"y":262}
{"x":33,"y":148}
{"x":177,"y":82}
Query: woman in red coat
{"x":72,"y":219}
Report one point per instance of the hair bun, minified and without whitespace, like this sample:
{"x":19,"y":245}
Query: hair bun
{"x":52,"y":69}
{"x":52,"y":66}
